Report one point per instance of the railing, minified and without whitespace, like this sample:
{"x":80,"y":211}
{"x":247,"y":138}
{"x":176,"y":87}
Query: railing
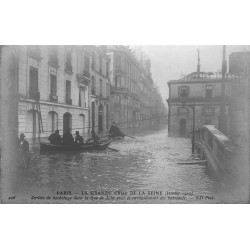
{"x":119,"y":89}
{"x":84,"y":78}
{"x":53,"y":98}
{"x":220,"y":147}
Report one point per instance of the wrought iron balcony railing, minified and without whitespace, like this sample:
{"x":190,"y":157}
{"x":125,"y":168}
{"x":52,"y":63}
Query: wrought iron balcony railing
{"x":53,"y":98}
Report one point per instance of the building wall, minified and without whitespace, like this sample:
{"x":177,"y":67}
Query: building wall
{"x":101,"y":95}
{"x":197,"y":89}
{"x":133,"y":100}
{"x":27,"y":105}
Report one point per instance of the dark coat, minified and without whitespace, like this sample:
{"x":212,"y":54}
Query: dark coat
{"x":68,"y":138}
{"x":55,"y":139}
{"x":79,"y":139}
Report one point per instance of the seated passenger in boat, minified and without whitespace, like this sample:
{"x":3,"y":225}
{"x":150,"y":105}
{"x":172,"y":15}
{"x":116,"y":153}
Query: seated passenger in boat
{"x":94,"y":137}
{"x":55,"y":138}
{"x":78,"y":139}
{"x":68,"y":138}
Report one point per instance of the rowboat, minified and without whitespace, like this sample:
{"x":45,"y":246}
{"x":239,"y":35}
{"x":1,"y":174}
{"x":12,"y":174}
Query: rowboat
{"x":85,"y":147}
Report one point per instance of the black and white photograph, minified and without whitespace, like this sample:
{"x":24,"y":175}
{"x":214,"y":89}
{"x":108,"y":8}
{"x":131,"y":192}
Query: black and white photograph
{"x":122,"y":124}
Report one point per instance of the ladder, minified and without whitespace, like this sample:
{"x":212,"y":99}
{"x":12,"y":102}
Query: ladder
{"x":40,"y":122}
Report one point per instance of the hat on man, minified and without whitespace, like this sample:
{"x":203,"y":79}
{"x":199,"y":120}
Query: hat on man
{"x":22,"y":135}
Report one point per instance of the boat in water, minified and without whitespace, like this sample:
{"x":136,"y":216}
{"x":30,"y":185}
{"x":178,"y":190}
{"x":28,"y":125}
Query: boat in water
{"x":89,"y":146}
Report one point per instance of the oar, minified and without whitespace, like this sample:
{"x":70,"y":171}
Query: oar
{"x":113,"y":149}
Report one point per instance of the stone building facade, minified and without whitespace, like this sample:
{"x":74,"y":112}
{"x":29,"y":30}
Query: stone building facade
{"x":198,"y":92}
{"x":135,"y":101}
{"x":100,"y":89}
{"x":53,"y":89}
{"x":125,"y":86}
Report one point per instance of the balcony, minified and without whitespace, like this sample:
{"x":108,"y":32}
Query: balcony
{"x":119,"y":89}
{"x":68,"y":101}
{"x":34,"y":95}
{"x":119,"y":70}
{"x":34,"y":52}
{"x":84,"y":78}
{"x":53,"y":98}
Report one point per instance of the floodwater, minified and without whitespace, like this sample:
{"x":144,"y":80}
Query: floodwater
{"x":149,"y":162}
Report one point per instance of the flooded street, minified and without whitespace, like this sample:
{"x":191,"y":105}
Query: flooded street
{"x":149,"y":162}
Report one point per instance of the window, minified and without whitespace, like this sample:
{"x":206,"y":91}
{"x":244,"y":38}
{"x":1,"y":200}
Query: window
{"x":93,"y":85}
{"x":183,"y":91}
{"x":53,"y":55}
{"x":82,"y":98}
{"x":118,"y":61}
{"x":68,"y":89}
{"x":208,"y":111}
{"x":86,"y":63}
{"x":209,"y":91}
{"x":118,"y":81}
{"x":100,"y":87}
{"x":100,"y":64}
{"x":107,"y":69}
{"x":93,"y":61}
{"x":33,"y":79}
{"x":68,"y":64}
{"x":53,"y":87}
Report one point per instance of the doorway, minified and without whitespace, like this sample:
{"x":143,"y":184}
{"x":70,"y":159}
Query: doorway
{"x":183,"y":126}
{"x":100,"y":118}
{"x":67,"y":121}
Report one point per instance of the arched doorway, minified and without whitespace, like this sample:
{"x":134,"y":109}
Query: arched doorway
{"x":100,"y":118}
{"x":67,"y":121}
{"x":32,"y":124}
{"x":52,"y":121}
{"x":82,"y":123}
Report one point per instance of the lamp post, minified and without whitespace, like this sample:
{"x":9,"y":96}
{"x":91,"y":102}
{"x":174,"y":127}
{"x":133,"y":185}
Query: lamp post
{"x":184,"y":97}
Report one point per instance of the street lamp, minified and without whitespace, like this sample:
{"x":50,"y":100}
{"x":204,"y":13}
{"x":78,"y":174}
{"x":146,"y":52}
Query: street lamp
{"x":184,"y":97}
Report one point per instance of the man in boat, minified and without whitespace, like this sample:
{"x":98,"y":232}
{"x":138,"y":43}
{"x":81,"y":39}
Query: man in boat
{"x":78,"y":139}
{"x":68,"y":138}
{"x":112,"y":129}
{"x":24,"y":146}
{"x":55,"y":138}
{"x":94,"y":137}
{"x":115,"y":131}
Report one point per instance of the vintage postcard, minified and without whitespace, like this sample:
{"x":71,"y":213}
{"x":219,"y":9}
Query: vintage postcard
{"x":124,"y":124}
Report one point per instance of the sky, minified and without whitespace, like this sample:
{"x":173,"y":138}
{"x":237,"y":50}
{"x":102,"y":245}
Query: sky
{"x":169,"y":62}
